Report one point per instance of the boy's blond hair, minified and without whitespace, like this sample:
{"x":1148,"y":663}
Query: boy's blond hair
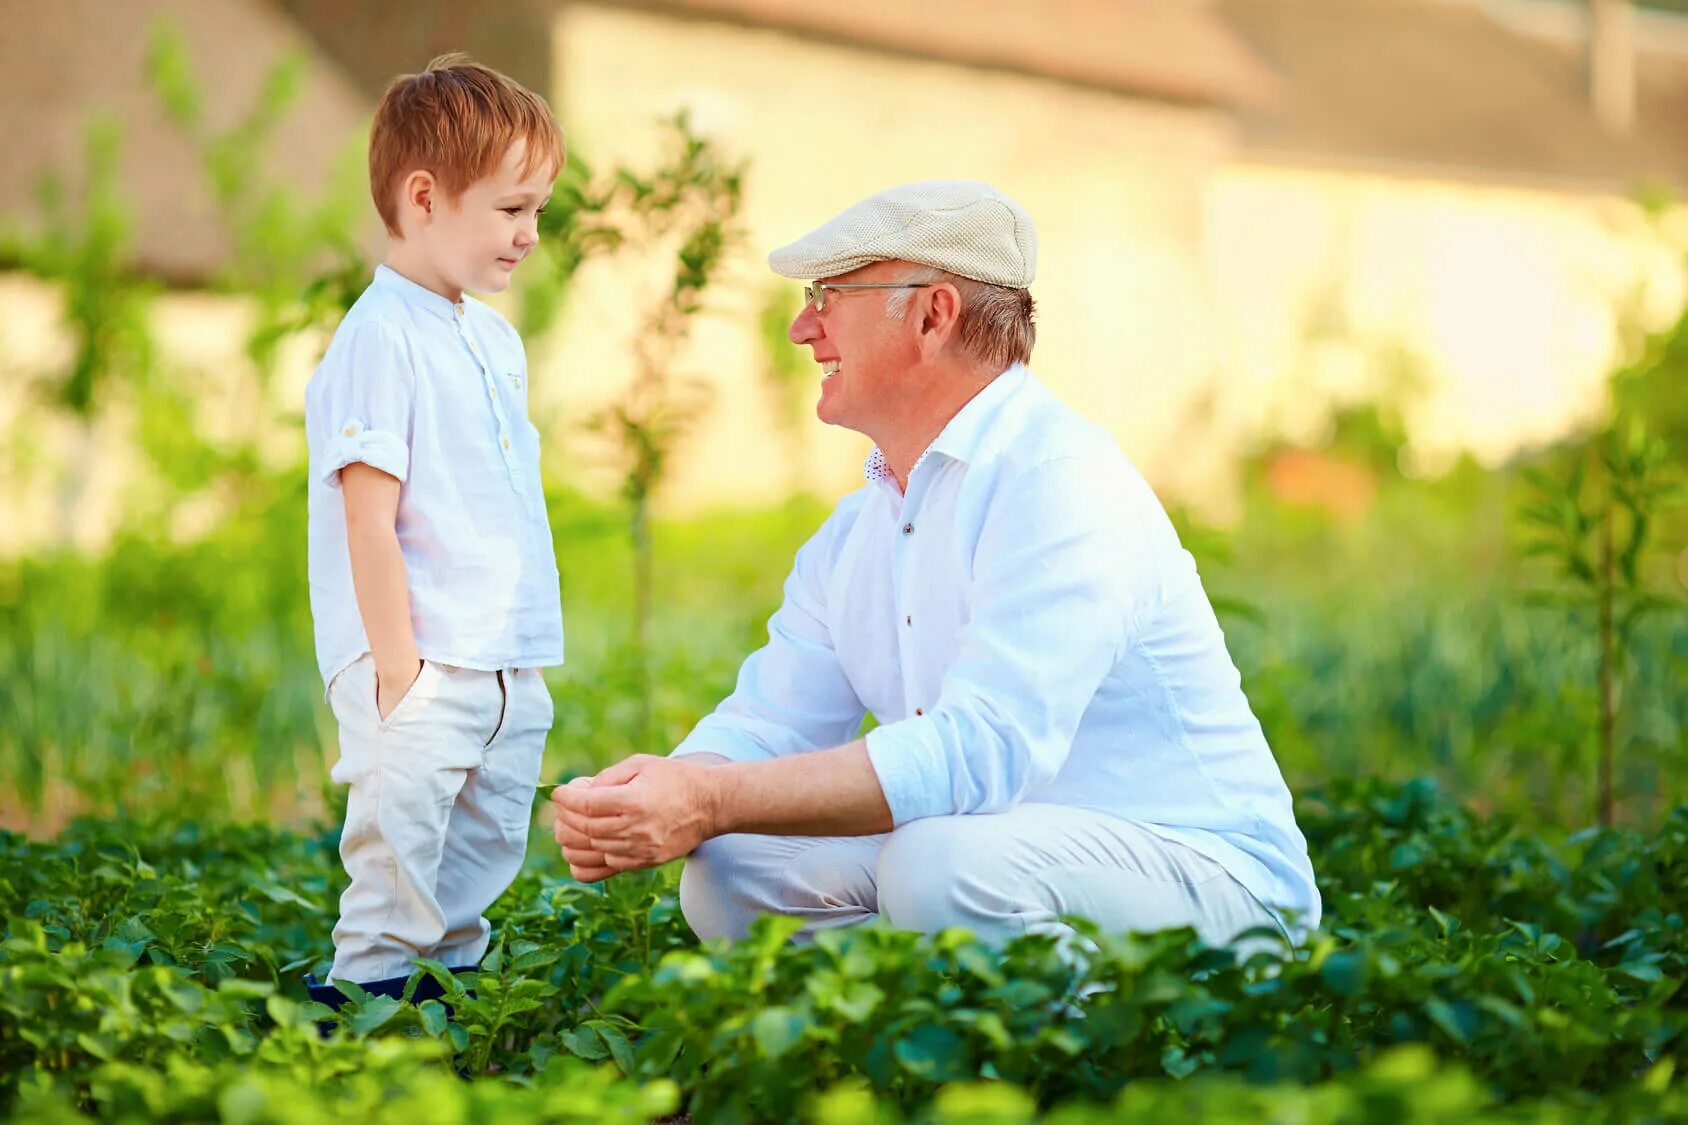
{"x":457,"y":120}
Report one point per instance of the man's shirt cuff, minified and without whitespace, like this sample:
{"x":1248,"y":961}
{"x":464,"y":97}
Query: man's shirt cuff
{"x":908,"y":756}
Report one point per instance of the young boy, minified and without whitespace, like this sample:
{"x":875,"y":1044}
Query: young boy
{"x":433,"y":583}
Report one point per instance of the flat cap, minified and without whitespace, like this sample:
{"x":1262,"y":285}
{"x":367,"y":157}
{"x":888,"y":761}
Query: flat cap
{"x":959,"y":226}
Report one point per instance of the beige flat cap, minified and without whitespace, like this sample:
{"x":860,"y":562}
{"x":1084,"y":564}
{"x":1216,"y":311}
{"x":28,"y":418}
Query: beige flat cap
{"x":959,"y":226}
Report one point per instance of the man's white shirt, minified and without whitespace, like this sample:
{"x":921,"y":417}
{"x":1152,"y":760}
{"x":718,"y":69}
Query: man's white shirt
{"x":1024,"y":626}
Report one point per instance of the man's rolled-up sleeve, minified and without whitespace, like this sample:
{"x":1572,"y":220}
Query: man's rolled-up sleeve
{"x":1062,"y":574}
{"x":792,"y":694}
{"x":362,"y":412}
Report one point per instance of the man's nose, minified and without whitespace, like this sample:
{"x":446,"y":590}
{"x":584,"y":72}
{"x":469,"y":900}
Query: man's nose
{"x":805,"y":327}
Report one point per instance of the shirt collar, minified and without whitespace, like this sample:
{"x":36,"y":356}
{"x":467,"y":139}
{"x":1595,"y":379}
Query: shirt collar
{"x":419,"y":296}
{"x":963,"y":436}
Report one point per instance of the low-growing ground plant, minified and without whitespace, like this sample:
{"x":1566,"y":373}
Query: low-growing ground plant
{"x":151,"y":971}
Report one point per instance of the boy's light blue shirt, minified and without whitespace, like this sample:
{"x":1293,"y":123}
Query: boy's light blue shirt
{"x":1025,"y":626}
{"x":434,"y":393}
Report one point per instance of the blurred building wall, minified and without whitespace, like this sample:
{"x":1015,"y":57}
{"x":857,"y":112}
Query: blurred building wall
{"x":1193,"y":298}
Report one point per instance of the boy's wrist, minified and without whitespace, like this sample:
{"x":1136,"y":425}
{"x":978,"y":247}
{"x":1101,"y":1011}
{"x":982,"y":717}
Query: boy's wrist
{"x":400,"y":671}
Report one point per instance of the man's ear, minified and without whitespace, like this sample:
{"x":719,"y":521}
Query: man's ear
{"x":940,"y":316}
{"x":419,"y":195}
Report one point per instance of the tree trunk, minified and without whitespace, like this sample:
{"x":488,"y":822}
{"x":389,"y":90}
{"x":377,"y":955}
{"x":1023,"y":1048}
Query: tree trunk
{"x":642,"y":558}
{"x":1607,"y":658}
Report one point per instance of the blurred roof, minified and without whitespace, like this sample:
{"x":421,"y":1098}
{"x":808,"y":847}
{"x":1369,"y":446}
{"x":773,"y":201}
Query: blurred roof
{"x":374,"y":41}
{"x":1176,"y":50}
{"x":68,"y":62}
{"x":1434,"y":87}
{"x":1440,"y":88}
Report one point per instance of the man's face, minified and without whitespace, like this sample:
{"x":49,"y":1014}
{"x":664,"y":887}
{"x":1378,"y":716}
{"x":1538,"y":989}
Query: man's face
{"x":477,"y":239}
{"x":862,"y":351}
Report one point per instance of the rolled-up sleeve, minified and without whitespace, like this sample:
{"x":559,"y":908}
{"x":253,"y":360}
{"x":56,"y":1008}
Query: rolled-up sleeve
{"x":792,"y":694}
{"x":1061,"y":578}
{"x":362,"y":410}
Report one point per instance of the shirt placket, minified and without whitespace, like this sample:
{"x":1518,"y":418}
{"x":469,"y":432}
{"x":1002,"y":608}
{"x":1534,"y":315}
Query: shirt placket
{"x":506,"y":442}
{"x":905,"y":583}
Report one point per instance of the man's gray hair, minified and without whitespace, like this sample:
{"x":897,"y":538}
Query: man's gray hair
{"x":998,"y":325}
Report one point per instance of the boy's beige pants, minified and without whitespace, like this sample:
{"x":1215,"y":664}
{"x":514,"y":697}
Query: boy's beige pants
{"x":438,"y":814}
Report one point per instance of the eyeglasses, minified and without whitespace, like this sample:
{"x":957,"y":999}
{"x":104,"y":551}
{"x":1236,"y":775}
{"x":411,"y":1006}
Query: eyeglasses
{"x":816,"y":294}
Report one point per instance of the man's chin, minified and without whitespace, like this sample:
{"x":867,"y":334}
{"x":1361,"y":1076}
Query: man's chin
{"x":828,"y":409}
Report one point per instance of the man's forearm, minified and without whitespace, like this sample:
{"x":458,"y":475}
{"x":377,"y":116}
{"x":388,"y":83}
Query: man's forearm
{"x":825,"y":793}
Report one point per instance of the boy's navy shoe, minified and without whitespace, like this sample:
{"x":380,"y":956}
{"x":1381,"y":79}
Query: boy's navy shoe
{"x":426,"y":989}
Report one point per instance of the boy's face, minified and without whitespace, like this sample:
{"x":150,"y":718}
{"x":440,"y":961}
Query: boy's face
{"x":477,"y":239}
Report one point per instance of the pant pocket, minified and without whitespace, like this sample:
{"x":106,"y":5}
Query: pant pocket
{"x":356,"y":721}
{"x":504,"y":786}
{"x":430,"y":680}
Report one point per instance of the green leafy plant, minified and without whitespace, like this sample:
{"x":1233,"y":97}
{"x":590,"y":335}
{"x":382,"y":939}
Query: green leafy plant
{"x":1595,"y":522}
{"x":686,"y":208}
{"x":787,"y":376}
{"x":300,"y":262}
{"x":83,"y":250}
{"x":150,"y":970}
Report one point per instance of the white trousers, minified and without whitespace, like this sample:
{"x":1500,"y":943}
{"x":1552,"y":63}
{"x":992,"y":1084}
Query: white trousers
{"x":438,"y":814}
{"x":1000,"y":875}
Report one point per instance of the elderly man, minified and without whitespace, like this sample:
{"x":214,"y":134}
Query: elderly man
{"x":1061,"y":730}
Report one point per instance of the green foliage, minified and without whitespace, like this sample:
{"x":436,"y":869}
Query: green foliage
{"x":300,"y":262}
{"x":1595,"y":521}
{"x":156,"y":676}
{"x":152,"y":972}
{"x":788,"y":375}
{"x":1467,"y":969}
{"x":574,"y":228}
{"x":686,"y":208}
{"x":298,"y":265}
{"x":1596,"y":525}
{"x":85,"y":251}
{"x":184,"y":673}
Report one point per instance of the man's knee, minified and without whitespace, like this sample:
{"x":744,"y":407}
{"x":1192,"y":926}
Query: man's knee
{"x":936,"y":873}
{"x":706,"y":892}
{"x":730,"y":881}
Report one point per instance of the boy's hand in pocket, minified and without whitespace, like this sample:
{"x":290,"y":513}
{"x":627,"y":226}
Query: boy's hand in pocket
{"x":388,"y":694}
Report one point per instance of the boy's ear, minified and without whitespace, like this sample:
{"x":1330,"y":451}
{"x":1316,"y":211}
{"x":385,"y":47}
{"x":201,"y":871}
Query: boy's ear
{"x":419,"y":194}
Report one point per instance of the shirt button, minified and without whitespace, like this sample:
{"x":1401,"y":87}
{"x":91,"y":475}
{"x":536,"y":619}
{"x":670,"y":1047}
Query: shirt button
{"x":459,"y":310}
{"x":909,"y":620}
{"x":908,"y":529}
{"x":351,"y":431}
{"x":492,"y":392}
{"x":506,"y":443}
{"x":919,"y":711}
